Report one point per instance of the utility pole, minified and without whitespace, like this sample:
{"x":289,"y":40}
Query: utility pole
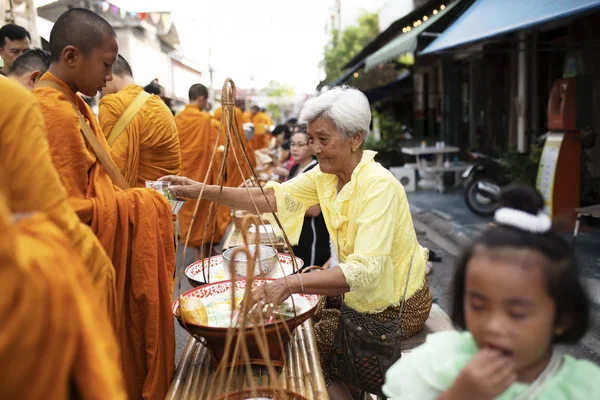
{"x":338,"y":5}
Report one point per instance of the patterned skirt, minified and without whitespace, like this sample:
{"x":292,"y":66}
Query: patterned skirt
{"x":326,"y":318}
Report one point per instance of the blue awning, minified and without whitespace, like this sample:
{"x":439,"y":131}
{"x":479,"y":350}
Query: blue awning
{"x":488,"y":18}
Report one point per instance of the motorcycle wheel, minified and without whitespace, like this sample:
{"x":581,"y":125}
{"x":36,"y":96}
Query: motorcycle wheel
{"x":478,"y":203}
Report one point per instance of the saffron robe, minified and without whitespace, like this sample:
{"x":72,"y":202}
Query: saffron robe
{"x":56,"y":341}
{"x":197,"y":142}
{"x":34,"y":186}
{"x":148,"y":147}
{"x":135,"y":227}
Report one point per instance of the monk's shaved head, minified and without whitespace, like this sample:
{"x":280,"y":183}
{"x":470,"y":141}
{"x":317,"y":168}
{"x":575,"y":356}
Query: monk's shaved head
{"x":80,"y":28}
{"x":31,"y":60}
{"x":121,"y":67}
{"x":198,"y":90}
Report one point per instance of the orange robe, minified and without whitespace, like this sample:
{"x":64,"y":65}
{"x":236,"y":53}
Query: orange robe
{"x":148,"y":147}
{"x":135,"y":227}
{"x":56,"y":341}
{"x":197,"y":142}
{"x":34,"y":185}
{"x":261,"y":128}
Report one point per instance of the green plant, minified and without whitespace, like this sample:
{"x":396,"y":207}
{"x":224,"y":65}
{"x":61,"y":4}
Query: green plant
{"x":522,"y":167}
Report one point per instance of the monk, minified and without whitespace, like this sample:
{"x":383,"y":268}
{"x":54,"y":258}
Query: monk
{"x":56,"y":341}
{"x":133,"y":225}
{"x":34,"y":186}
{"x":261,"y":128}
{"x":233,"y":177}
{"x":29,"y":67}
{"x":197,"y":141}
{"x":146,"y":147}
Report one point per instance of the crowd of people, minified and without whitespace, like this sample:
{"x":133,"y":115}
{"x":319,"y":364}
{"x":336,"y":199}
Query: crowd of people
{"x":87,"y":255}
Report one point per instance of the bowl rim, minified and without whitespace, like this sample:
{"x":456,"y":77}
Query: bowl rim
{"x":263,"y":281}
{"x":202,"y":264}
{"x":232,"y":249}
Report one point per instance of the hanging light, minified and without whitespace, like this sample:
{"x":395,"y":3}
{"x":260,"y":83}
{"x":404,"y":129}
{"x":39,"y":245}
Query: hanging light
{"x":435,"y":12}
{"x":356,"y":74}
{"x":442,"y":7}
{"x":425,"y":18}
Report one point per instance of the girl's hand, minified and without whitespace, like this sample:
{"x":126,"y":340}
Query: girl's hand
{"x":486,"y":377}
{"x":183,"y":187}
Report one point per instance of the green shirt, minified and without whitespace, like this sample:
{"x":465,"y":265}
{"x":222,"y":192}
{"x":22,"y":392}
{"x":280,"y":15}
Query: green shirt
{"x":431,"y":368}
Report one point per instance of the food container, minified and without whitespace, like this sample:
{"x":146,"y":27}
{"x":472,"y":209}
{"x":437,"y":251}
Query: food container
{"x":217,"y":299}
{"x":162,"y":187}
{"x":263,"y":393}
{"x":265,"y":263}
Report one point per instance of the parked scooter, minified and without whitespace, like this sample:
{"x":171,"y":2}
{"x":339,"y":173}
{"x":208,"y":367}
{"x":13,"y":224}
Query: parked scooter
{"x":483,"y":180}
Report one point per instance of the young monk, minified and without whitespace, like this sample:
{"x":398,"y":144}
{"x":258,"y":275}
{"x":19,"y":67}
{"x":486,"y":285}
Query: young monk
{"x":134,"y":225}
{"x":34,"y":186}
{"x":146,"y":147}
{"x":29,"y":67}
{"x":233,"y":177}
{"x":56,"y":341}
{"x":197,"y":138}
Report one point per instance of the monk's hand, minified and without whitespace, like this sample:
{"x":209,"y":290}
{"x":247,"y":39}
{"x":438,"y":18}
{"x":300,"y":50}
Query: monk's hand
{"x":183,"y":187}
{"x":485,"y":377}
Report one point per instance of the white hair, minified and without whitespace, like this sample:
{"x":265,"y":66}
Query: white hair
{"x":348,"y":108}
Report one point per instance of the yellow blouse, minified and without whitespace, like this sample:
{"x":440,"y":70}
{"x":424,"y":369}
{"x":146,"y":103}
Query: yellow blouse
{"x":369,"y":223}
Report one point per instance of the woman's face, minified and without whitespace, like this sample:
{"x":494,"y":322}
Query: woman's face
{"x":299,"y":147}
{"x":330,"y":146}
{"x":508,"y":308}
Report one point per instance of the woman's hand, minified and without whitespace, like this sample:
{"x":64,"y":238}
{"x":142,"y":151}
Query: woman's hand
{"x":183,"y":187}
{"x":274,"y":292}
{"x":486,"y":377}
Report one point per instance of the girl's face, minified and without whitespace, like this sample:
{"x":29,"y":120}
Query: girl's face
{"x":299,"y":147}
{"x":508,"y":307}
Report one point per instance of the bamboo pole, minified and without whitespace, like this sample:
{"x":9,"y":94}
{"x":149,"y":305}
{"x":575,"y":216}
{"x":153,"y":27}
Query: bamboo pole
{"x":320,"y":388}
{"x":182,"y":370}
{"x":187,"y":388}
{"x":307,"y":368}
{"x":205,"y":372}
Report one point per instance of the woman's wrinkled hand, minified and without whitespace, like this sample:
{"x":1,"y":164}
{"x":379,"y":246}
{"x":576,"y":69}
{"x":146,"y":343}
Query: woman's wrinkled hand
{"x":485,"y":377}
{"x":183,"y":187}
{"x":273,"y":293}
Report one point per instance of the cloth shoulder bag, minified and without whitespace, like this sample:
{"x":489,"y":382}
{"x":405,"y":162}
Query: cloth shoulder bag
{"x":364,"y":349}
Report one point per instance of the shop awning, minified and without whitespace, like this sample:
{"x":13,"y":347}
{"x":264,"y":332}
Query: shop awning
{"x":347,"y":74}
{"x":488,"y":18}
{"x":406,"y":42}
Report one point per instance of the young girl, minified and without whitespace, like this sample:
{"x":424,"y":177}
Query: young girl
{"x":516,"y":294}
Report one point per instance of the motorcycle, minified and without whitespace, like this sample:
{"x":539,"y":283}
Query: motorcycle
{"x":483,"y":180}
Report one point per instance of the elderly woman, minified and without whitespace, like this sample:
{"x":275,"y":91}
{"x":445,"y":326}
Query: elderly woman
{"x":379,"y":287}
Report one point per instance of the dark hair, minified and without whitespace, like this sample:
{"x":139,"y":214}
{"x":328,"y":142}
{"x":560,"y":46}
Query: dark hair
{"x":285,"y":145}
{"x":561,"y":269}
{"x":31,"y":60}
{"x":282,"y":129}
{"x":81,"y":28}
{"x":13,"y":32}
{"x":292,"y":120}
{"x":255,"y":108}
{"x":198,"y":90}
{"x":153,"y":88}
{"x":121,"y":67}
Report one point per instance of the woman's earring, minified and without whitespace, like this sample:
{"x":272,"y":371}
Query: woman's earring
{"x":354,"y":150}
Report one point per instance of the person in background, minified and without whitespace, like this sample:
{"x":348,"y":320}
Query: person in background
{"x":14,"y":41}
{"x":292,"y":123}
{"x":313,"y":245}
{"x":29,"y":67}
{"x":517,"y":294}
{"x":197,"y":140}
{"x":147,"y":147}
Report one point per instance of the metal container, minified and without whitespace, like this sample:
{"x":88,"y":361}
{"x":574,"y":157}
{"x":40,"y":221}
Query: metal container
{"x":266,"y":262}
